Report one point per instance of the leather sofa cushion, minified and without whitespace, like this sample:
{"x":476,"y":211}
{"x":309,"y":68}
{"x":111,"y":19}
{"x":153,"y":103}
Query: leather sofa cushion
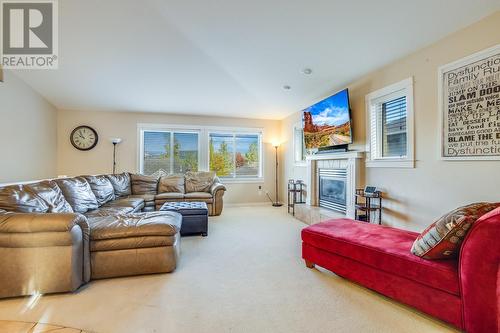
{"x":171,"y":183}
{"x":20,"y":199}
{"x":134,"y":203}
{"x":52,"y":195}
{"x":208,"y":201}
{"x":121,"y":184}
{"x":102,"y":188}
{"x":145,"y":197}
{"x":78,"y":193}
{"x":171,"y":195}
{"x":107,"y":211}
{"x":199,"y":181}
{"x":198,"y":195}
{"x":131,"y":243}
{"x":142,"y":184}
{"x":135,"y":225}
{"x":383,"y":248}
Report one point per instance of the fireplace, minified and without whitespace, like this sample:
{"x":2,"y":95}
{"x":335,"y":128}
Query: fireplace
{"x":349,"y":165}
{"x":332,"y":189}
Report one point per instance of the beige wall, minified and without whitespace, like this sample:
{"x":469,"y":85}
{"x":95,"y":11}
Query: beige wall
{"x":27,"y":132}
{"x":73,"y":162}
{"x":417,"y":196}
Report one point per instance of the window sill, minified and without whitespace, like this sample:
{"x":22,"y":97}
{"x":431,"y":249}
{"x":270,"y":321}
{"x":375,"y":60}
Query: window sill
{"x":390,"y":163}
{"x":241,"y":180}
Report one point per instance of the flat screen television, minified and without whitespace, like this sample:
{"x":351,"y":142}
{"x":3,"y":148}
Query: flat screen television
{"x":327,"y":124}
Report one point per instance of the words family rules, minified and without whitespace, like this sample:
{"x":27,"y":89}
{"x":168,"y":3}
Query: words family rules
{"x":472,"y":109}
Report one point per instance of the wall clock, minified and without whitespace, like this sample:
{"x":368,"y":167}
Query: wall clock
{"x":84,"y":138}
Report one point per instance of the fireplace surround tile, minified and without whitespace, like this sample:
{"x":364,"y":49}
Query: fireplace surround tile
{"x":351,"y":161}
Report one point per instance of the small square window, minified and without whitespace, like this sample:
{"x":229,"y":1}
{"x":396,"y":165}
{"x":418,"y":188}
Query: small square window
{"x":390,"y":126}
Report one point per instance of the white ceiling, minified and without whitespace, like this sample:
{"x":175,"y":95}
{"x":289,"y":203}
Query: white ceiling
{"x":232,"y":57}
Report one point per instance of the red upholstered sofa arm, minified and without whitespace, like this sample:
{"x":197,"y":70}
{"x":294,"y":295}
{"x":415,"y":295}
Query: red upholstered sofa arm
{"x":479,"y":273}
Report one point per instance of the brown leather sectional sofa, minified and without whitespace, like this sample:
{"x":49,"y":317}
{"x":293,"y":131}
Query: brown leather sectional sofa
{"x":56,"y":235}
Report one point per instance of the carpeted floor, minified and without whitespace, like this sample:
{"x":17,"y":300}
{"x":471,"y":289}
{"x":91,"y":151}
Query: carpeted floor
{"x":246,"y":276}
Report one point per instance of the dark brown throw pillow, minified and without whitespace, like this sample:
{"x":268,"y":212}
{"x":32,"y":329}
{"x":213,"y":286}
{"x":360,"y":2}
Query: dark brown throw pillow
{"x":442,"y":239}
{"x":200,"y":181}
{"x":52,"y":195}
{"x":121,"y":184}
{"x":102,"y":189}
{"x":142,"y":184}
{"x":78,"y":193}
{"x":20,"y":199}
{"x":171,"y":184}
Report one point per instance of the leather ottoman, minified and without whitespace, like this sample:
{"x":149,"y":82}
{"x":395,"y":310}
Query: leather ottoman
{"x":194,"y":216}
{"x":134,"y":244}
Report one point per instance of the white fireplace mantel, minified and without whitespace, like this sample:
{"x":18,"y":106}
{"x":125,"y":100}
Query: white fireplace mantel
{"x":336,"y":156}
{"x":351,"y":160}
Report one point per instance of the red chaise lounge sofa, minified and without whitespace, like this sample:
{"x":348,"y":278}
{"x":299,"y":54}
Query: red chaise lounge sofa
{"x":464,"y":292}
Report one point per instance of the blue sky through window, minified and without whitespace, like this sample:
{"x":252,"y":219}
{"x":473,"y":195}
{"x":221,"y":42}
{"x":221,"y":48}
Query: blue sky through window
{"x":243,"y":142}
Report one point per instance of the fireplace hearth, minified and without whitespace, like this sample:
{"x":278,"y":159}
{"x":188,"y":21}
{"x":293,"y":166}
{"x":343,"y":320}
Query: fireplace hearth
{"x":332,"y":189}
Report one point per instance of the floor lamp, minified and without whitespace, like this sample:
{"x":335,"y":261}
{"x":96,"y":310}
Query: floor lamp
{"x":115,"y":141}
{"x":277,"y":202}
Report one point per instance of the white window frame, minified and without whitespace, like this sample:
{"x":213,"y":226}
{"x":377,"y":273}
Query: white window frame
{"x":142,"y":128}
{"x":374,"y":141}
{"x":203,"y":142}
{"x":235,"y":132}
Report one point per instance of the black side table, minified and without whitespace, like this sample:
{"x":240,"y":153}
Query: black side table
{"x":369,"y":203}
{"x":295,"y":194}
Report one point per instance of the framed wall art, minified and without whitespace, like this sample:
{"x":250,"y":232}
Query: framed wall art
{"x":469,"y":103}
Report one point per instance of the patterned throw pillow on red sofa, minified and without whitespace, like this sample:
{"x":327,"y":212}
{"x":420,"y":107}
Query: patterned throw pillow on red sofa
{"x":442,"y":239}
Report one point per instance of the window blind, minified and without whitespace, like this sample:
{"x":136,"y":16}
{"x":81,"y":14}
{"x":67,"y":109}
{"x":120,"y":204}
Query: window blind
{"x":394,"y":128}
{"x":156,"y":152}
{"x":170,"y":152}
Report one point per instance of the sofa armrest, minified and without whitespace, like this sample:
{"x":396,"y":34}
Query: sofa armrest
{"x":24,"y":230}
{"x":30,"y":223}
{"x":217,"y":187}
{"x":479,"y":274}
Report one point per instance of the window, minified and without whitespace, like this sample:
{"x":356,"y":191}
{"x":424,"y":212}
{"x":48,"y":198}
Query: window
{"x":299,"y":150}
{"x":169,"y":151}
{"x":235,"y":155}
{"x":394,"y":128}
{"x":390,"y":126}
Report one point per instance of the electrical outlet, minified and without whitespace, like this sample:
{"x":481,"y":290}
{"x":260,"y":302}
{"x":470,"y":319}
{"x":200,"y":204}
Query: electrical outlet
{"x":260,"y":187}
